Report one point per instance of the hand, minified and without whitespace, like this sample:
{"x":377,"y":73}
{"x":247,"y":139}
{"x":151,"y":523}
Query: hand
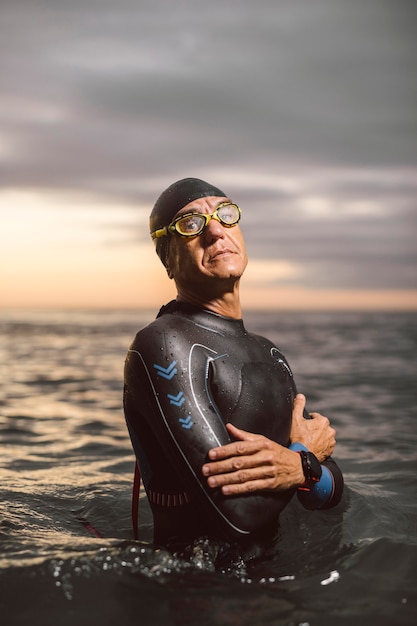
{"x":316,"y":434}
{"x":253,"y":463}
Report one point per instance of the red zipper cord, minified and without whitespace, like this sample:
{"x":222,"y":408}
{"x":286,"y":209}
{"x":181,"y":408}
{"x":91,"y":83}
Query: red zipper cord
{"x":91,"y":529}
{"x":135,"y":501}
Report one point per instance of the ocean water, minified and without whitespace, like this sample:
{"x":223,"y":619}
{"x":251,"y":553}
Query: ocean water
{"x":67,"y":554}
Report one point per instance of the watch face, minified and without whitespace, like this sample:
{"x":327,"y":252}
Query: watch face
{"x":311,"y":467}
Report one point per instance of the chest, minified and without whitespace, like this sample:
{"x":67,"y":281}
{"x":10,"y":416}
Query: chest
{"x":253,"y":387}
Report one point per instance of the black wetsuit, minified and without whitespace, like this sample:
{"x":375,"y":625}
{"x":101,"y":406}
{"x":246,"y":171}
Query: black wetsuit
{"x":186,"y":375}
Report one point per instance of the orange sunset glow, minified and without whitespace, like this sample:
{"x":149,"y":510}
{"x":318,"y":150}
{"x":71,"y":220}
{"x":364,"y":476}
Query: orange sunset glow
{"x":66,"y":253}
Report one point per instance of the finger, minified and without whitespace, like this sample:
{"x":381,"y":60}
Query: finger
{"x":319,"y":417}
{"x":237,"y":448}
{"x":245,"y":476}
{"x":234,"y":464}
{"x":298,"y":407}
{"x":242,"y":488}
{"x":248,"y":487}
{"x":238,"y":433}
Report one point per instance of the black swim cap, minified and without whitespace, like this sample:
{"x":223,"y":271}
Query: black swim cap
{"x":174,"y":198}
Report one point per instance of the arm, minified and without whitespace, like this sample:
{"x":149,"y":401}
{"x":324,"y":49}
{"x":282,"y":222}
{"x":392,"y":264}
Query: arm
{"x":255,"y":463}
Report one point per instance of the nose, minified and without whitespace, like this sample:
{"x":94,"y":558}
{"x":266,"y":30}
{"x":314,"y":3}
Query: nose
{"x":214,"y":230}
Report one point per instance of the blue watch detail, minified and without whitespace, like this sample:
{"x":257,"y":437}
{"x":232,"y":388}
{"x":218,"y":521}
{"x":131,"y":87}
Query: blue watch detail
{"x":296,"y":447}
{"x":320,"y":492}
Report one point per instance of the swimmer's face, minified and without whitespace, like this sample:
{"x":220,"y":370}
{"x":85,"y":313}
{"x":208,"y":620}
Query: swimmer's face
{"x":208,"y":261}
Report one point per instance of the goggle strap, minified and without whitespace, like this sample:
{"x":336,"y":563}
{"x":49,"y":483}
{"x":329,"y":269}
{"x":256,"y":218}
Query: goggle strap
{"x":161,"y":232}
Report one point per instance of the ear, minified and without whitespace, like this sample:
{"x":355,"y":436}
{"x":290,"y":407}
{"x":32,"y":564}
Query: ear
{"x":167,"y":262}
{"x":168,"y":266}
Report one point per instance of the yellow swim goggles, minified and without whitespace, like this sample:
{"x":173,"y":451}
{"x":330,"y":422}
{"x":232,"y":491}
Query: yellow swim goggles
{"x":193,"y":224}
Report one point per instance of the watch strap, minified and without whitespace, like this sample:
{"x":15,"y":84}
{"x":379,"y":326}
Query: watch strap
{"x":311,"y":468}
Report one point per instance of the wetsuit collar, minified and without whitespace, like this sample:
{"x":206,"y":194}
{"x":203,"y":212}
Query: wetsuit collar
{"x":204,"y":317}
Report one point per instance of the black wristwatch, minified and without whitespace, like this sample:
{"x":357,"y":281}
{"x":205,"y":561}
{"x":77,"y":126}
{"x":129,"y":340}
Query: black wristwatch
{"x":311,"y":468}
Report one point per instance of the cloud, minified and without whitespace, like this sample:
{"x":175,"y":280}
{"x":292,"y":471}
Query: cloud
{"x":305,"y":111}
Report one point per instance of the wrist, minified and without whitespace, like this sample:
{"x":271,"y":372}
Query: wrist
{"x":320,"y":492}
{"x":297,"y":446}
{"x":297,"y":473}
{"x":312,"y":470}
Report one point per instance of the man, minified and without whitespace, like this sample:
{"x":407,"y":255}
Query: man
{"x":215,"y":420}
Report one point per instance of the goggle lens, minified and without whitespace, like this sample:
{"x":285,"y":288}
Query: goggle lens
{"x":193,"y":224}
{"x":190,"y":225}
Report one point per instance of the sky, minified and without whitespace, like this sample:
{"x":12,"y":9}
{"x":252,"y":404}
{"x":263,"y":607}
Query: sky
{"x":303,"y":111}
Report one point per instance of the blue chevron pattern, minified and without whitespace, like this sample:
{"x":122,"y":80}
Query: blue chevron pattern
{"x":186,"y":422}
{"x":166,"y":372}
{"x":177,"y":400}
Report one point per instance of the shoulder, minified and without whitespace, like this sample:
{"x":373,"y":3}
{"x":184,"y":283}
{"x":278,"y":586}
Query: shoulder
{"x":265,"y":343}
{"x":166,"y":331}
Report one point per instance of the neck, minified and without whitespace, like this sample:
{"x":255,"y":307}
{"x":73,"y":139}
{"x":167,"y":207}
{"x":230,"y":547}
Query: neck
{"x":227,"y":304}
